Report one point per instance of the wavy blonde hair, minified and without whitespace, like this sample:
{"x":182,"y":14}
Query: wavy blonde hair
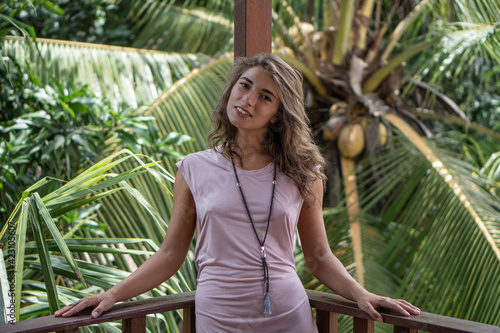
{"x":289,"y":141}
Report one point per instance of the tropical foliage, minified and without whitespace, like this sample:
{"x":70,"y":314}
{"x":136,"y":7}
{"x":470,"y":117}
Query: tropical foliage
{"x":395,"y":81}
{"x":375,"y":74}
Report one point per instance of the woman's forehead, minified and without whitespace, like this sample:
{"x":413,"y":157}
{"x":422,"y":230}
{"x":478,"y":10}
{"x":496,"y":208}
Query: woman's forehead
{"x":261,"y":75}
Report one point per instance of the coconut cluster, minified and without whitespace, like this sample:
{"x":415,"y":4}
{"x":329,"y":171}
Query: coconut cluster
{"x":350,"y":133}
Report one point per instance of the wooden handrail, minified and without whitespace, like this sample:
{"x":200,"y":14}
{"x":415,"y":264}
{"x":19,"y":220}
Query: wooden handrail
{"x":133,"y":316}
{"x":126,"y":311}
{"x":329,"y":305}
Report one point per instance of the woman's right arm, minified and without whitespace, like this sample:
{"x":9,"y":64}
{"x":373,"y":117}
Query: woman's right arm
{"x":157,"y":268}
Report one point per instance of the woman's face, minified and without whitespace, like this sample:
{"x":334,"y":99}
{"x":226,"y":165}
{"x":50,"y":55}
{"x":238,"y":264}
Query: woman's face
{"x":253,"y":101}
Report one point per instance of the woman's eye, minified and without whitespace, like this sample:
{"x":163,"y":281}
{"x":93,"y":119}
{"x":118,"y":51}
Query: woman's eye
{"x":267,"y":98}
{"x":244,"y":84}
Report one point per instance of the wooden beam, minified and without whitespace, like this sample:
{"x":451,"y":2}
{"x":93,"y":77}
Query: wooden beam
{"x":252,"y":27}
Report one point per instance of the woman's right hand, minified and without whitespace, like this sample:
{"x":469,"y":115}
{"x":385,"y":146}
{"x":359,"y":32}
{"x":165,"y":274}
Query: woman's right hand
{"x":101,"y":303}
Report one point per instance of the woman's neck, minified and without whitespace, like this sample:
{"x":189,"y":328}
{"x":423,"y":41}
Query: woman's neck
{"x":252,"y":151}
{"x":250,"y":143}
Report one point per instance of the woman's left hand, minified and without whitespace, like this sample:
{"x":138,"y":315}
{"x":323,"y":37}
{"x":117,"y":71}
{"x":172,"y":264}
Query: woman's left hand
{"x":370,"y":302}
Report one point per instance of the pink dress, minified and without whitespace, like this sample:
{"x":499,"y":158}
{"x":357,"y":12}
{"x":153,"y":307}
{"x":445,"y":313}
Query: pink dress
{"x":229,"y":295}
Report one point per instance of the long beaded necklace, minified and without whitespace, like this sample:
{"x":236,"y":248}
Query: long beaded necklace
{"x":267,"y":304}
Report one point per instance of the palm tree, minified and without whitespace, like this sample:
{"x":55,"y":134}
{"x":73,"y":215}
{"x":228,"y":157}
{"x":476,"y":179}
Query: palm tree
{"x":420,"y":223}
{"x":353,"y":55}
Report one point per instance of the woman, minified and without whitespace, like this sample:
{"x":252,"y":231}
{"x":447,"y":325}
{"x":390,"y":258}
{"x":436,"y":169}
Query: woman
{"x":245,"y":198}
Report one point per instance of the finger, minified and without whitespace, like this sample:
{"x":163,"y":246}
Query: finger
{"x":395,"y":305}
{"x":373,"y":313}
{"x":68,"y":307}
{"x":104,"y":305}
{"x":97,"y":312}
{"x":78,"y":306}
{"x":59,"y":312}
{"x":412,"y":309}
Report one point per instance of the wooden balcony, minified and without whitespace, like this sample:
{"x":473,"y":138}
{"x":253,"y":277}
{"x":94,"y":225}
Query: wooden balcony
{"x":328,"y":306}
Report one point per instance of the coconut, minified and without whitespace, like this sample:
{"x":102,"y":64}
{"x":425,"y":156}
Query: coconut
{"x":351,"y":140}
{"x":332,"y":127}
{"x":338,"y":108}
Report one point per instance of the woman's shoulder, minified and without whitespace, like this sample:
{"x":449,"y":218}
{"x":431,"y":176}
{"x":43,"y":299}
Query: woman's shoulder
{"x":201,"y":157}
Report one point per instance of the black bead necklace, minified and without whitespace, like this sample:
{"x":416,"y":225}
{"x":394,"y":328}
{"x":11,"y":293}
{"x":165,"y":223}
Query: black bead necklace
{"x":267,"y":304}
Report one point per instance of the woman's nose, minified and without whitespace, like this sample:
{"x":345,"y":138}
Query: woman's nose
{"x":250,"y":97}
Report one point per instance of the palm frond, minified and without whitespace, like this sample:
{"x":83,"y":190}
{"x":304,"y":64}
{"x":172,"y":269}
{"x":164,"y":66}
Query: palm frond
{"x":491,"y":169}
{"x":402,"y":28}
{"x":469,"y":32}
{"x":20,"y":27}
{"x":442,"y":233}
{"x":125,"y":77}
{"x":163,"y":25}
{"x":38,"y":212}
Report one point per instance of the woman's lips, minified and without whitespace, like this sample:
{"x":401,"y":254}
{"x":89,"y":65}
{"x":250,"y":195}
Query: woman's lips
{"x":242,"y":112}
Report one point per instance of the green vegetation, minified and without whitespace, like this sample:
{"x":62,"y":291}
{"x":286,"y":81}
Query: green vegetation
{"x":425,"y":225}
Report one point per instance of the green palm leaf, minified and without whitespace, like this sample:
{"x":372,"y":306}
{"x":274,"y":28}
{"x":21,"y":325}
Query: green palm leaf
{"x":161,"y":25}
{"x":470,"y":33}
{"x":44,"y":258}
{"x":126,"y":77}
{"x":90,"y":182}
{"x":442,"y":226}
{"x":491,"y":168}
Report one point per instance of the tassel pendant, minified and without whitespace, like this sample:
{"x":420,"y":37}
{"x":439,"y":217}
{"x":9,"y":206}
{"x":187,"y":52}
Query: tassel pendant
{"x":267,"y":305}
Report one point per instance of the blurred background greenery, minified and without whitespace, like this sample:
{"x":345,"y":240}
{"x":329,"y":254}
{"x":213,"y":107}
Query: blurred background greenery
{"x":99,"y":99}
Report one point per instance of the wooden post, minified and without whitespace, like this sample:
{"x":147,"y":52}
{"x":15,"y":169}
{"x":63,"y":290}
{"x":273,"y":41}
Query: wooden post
{"x":360,"y":325}
{"x":326,"y":321}
{"x":134,"y":325}
{"x":252,"y":27}
{"x":188,"y":320}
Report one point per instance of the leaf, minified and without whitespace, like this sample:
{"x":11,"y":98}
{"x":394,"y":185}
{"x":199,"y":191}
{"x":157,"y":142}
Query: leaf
{"x":138,"y":196}
{"x":373,"y":81}
{"x":57,"y":236}
{"x":190,"y":30}
{"x":79,"y":107}
{"x":441,"y":225}
{"x":44,"y":256}
{"x":20,"y":241}
{"x":83,"y":202}
{"x":139,"y":76}
{"x":58,"y":141}
{"x":174,"y":138}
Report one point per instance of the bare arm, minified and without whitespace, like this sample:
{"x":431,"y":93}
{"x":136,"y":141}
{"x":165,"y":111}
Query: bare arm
{"x":329,"y":270}
{"x":160,"y":266}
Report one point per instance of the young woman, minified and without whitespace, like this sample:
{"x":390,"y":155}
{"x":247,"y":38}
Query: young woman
{"x":245,"y":198}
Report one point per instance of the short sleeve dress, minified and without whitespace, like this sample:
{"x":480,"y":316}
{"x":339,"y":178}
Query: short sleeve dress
{"x":229,"y":296}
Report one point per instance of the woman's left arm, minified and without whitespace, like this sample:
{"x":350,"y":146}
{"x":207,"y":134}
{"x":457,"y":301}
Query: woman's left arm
{"x":329,"y":270}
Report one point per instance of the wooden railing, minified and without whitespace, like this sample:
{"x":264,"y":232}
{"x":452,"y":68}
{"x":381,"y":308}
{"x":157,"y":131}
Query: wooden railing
{"x":328,"y":306}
